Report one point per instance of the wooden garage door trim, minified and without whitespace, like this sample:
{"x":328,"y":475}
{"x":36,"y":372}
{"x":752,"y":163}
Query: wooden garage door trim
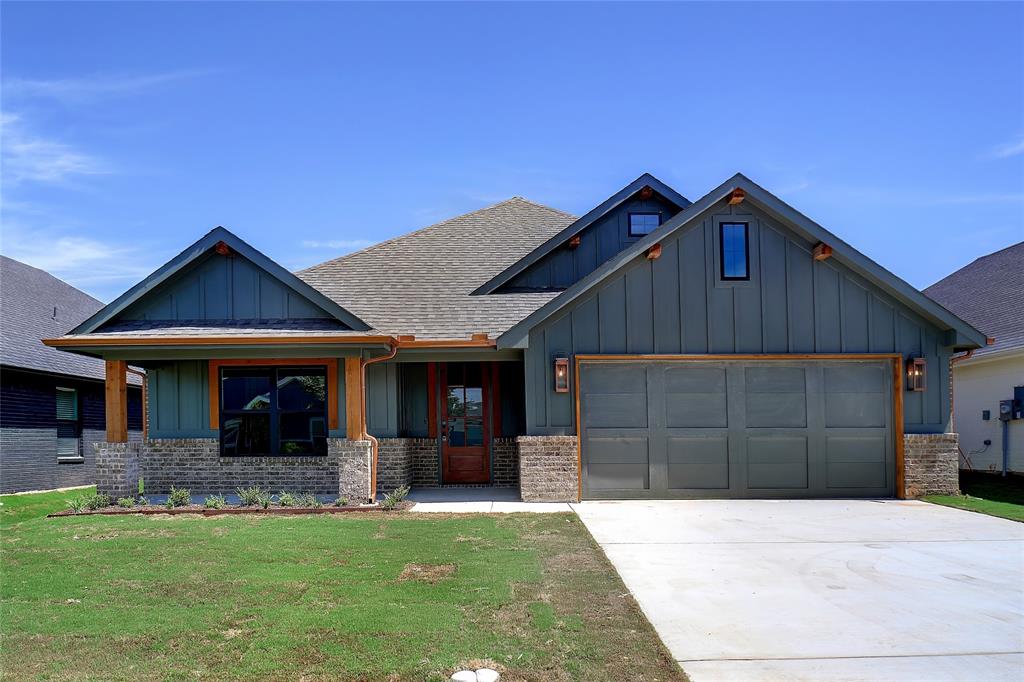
{"x":895,"y":359}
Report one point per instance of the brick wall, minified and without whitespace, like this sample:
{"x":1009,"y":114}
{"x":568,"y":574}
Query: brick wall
{"x":505,"y":463}
{"x":548,"y":470}
{"x":196,"y":464}
{"x":931,"y":464}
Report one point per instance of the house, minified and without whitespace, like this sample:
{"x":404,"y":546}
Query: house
{"x":51,"y":403}
{"x":652,"y":348}
{"x":988,"y":293}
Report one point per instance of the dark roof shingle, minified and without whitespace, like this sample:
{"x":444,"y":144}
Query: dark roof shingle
{"x":987,"y":294}
{"x":35,"y":305}
{"x":420,"y":283}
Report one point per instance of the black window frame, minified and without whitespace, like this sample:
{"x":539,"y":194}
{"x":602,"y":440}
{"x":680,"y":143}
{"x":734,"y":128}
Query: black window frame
{"x":746,"y":251}
{"x":629,"y":222}
{"x":274,"y":411}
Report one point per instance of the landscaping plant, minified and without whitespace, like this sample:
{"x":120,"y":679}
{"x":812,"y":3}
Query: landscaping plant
{"x":250,"y":497}
{"x":97,"y":501}
{"x":394,"y":498}
{"x":77,"y":504}
{"x":126,"y":502}
{"x":179,"y":497}
{"x":286,"y":499}
{"x":309,"y":500}
{"x":215,"y":502}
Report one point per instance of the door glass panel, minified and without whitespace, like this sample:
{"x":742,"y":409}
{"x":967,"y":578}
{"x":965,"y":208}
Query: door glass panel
{"x":241,"y":392}
{"x":456,"y":401}
{"x":474,"y":432}
{"x":457,"y":432}
{"x":474,"y":401}
{"x":301,"y":390}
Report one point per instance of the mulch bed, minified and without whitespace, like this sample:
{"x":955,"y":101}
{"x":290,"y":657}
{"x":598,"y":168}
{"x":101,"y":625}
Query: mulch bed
{"x":203,"y":511}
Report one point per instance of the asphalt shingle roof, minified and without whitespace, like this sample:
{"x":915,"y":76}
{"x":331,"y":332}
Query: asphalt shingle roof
{"x":420,"y":283}
{"x":35,"y":305}
{"x":988,"y":294}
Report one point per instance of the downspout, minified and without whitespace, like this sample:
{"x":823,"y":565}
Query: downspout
{"x":145,"y":401}
{"x":363,"y":364}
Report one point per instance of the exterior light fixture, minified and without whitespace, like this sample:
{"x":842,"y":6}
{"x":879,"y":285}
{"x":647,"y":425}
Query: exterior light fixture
{"x":917,"y":372}
{"x":561,"y":375}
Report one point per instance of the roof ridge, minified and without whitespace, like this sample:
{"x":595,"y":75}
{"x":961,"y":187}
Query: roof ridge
{"x":440,"y":223}
{"x":53,"y":277}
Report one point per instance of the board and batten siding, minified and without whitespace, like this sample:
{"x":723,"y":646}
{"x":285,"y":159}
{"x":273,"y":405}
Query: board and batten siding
{"x":222,"y":288}
{"x":179,"y":400}
{"x":600,"y":241}
{"x":678,"y":304}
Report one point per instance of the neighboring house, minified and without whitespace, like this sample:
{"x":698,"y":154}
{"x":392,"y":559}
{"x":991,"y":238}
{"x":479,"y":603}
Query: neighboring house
{"x":989,"y":293}
{"x":652,"y":348}
{"x":51,"y":403}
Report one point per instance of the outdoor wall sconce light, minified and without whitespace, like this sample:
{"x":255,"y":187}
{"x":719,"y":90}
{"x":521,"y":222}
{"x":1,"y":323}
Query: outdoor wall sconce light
{"x":561,"y":375}
{"x":917,"y":370}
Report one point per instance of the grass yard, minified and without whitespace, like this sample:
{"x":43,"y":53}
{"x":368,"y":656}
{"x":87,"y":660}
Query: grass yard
{"x":989,"y":494}
{"x":354,"y":597}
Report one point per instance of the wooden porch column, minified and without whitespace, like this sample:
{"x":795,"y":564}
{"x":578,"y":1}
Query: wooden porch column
{"x":353,"y":400}
{"x":117,"y":401}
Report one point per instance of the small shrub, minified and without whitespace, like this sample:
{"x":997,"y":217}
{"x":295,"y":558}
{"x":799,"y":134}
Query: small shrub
{"x":215,"y":502}
{"x":143,"y":502}
{"x":341,"y":502}
{"x":287,"y":499}
{"x":126,"y":502}
{"x":394,"y":498}
{"x":76,"y":504}
{"x":142,"y":489}
{"x":179,"y":497}
{"x":97,"y":501}
{"x":250,"y":497}
{"x":309,"y":500}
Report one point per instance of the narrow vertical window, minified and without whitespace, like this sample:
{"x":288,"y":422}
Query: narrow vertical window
{"x":68,"y":432}
{"x":641,"y":224}
{"x":733,"y":252}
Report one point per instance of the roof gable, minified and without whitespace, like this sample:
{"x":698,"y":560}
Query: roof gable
{"x":194,"y":272}
{"x":962,"y":334}
{"x":602,"y":210}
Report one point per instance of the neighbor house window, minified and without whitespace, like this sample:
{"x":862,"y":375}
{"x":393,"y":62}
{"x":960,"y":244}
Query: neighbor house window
{"x":273,"y":411}
{"x":68,"y":428}
{"x":643,"y":223}
{"x":733,"y":252}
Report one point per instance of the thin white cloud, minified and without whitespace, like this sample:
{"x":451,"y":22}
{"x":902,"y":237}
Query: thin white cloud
{"x":1008,"y":149}
{"x":30,"y":157}
{"x":337,"y":244}
{"x":89,"y":87}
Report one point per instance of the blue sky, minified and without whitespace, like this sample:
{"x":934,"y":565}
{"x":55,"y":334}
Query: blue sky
{"x":129,"y":130}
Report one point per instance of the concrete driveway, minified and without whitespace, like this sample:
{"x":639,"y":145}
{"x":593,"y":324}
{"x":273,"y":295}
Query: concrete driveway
{"x":823,"y":590}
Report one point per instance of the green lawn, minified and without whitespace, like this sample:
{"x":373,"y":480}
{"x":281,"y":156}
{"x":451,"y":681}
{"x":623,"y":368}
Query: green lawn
{"x":312,"y":597}
{"x":989,"y":494}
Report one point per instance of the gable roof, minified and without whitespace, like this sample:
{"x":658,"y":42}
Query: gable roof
{"x":987,"y":293}
{"x":963,"y":336}
{"x":598,"y":212}
{"x":421,"y":283}
{"x":197,"y":250}
{"x":37,"y":305}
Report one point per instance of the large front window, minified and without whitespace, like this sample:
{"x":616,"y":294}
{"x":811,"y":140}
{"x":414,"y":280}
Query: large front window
{"x":273,"y":411}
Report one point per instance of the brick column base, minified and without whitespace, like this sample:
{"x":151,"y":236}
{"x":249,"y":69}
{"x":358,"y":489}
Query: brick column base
{"x":931,"y":464}
{"x":548,"y":469}
{"x":117,"y":468}
{"x":354,"y":468}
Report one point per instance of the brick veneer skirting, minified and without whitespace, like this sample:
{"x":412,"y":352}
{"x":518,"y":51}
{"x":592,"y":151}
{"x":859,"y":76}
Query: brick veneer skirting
{"x":931,"y":464}
{"x":196,"y":464}
{"x":548,"y":468}
{"x":415,"y":462}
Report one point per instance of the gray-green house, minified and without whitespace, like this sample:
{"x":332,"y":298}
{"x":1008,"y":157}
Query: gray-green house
{"x":654,"y":347}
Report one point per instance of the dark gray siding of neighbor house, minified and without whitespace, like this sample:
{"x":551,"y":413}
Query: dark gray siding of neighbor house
{"x":28,"y":430}
{"x":678,"y":304}
{"x":179,"y":402}
{"x":222,"y":288}
{"x":598,"y":242}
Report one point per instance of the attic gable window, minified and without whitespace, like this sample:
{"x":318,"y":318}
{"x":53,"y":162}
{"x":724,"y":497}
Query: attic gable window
{"x":641,"y":224}
{"x":734,"y":256}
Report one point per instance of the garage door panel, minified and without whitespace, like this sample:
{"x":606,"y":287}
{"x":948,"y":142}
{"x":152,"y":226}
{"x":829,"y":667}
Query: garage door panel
{"x":616,"y":410}
{"x":737,"y":428}
{"x":698,"y":462}
{"x":856,"y":461}
{"x":618,"y":463}
{"x":776,"y":462}
{"x":856,"y":410}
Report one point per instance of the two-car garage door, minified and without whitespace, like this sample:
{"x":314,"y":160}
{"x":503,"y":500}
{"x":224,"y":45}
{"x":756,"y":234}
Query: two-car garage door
{"x":736,"y":428}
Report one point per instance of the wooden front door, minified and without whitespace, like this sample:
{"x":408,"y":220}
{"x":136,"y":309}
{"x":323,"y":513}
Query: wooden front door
{"x":464,"y":425}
